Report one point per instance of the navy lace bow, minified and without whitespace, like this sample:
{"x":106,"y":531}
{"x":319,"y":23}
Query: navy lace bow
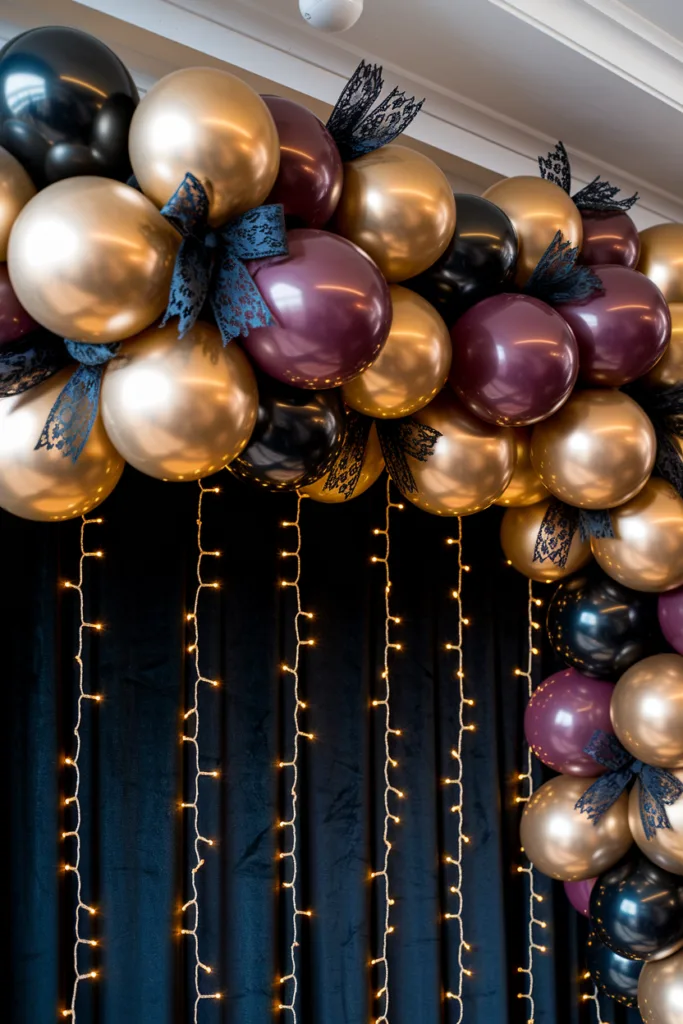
{"x":209,"y":264}
{"x":558,"y":277}
{"x":560,"y":523}
{"x":659,"y":789}
{"x":598,"y":195}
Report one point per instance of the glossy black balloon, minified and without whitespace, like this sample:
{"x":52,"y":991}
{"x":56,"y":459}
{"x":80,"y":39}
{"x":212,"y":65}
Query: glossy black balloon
{"x":297,"y":435}
{"x":636,"y":909}
{"x":66,"y":102}
{"x":599,"y":627}
{"x":479,"y":262}
{"x":616,"y":976}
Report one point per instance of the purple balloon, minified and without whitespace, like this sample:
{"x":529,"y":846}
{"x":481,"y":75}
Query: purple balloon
{"x":332,"y":306}
{"x":311,"y":174}
{"x":670,"y":612}
{"x":14,"y":320}
{"x":622,"y":332}
{"x":579,"y":894}
{"x":561,"y":717}
{"x":609,"y":236}
{"x":515,"y":360}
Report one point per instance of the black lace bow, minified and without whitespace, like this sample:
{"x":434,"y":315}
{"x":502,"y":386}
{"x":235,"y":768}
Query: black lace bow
{"x":559,"y":525}
{"x":665,"y":409}
{"x":598,"y":195}
{"x":558,"y":277}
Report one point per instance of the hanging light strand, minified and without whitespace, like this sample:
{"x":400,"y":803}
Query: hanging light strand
{"x":191,"y":736}
{"x":73,"y":801}
{"x":390,"y":791}
{"x":455,"y":861}
{"x":593,"y":997}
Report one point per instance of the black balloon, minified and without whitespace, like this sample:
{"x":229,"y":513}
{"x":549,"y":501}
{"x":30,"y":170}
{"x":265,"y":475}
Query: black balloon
{"x":297,"y":436}
{"x":614,"y":975}
{"x":479,"y":262}
{"x":66,"y":102}
{"x":599,"y":627}
{"x":637,"y":909}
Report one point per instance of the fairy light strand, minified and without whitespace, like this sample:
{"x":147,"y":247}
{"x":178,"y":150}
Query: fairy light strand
{"x":73,"y":801}
{"x":390,"y":791}
{"x":191,"y":735}
{"x":593,"y":997}
{"x":457,"y":807}
{"x":290,"y":855}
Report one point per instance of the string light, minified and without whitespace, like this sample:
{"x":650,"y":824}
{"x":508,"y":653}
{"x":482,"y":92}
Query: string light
{"x":191,"y":736}
{"x":390,"y":791}
{"x":594,"y":998}
{"x":74,"y":763}
{"x":291,"y":854}
{"x":457,"y":808}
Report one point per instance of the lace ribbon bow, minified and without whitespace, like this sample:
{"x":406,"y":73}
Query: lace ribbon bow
{"x":665,"y":409}
{"x":559,"y":525}
{"x":28,"y":362}
{"x":209,"y":263}
{"x":558,"y":278}
{"x":658,"y":787}
{"x":598,"y":195}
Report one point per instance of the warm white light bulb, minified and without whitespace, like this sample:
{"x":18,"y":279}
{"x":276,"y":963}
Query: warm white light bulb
{"x":331,"y":15}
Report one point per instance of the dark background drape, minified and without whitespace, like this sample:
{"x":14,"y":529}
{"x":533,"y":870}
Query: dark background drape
{"x":134,"y":858}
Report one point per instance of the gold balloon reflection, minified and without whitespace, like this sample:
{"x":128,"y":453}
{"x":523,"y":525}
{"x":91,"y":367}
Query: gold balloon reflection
{"x":373,"y":464}
{"x":660,"y":991}
{"x":666,"y":847}
{"x":669,"y":370}
{"x":661,"y":259}
{"x":647,"y":710}
{"x":16,"y":188}
{"x":526,"y":487}
{"x":518,"y":534}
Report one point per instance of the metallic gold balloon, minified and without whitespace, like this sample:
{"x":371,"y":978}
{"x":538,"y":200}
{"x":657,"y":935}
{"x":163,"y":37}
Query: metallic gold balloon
{"x":91,"y":259}
{"x":666,"y":847}
{"x":208,"y":122}
{"x":373,"y":464}
{"x":518,"y":532}
{"x":538,"y":209}
{"x":16,"y":188}
{"x":661,"y":259}
{"x":597,"y":451}
{"x":526,"y":487}
{"x":647,"y":710}
{"x":669,"y":370}
{"x":646,"y":552}
{"x":411,"y":368}
{"x":179,"y":408}
{"x":471,"y":464}
{"x":660,"y":990}
{"x":565,"y":844}
{"x":46,"y":485}
{"x":398,"y":207}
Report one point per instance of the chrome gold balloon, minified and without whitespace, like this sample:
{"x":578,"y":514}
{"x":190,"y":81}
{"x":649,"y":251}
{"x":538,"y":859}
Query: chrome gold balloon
{"x":16,"y":188}
{"x":669,"y":370}
{"x":526,"y":487}
{"x":518,"y":534}
{"x":373,"y":464}
{"x":666,"y":847}
{"x":179,"y":408}
{"x":647,"y":710}
{"x":46,"y":485}
{"x":661,"y":259}
{"x":660,"y":990}
{"x":91,"y":260}
{"x":538,"y":209}
{"x":212,"y":124}
{"x":398,"y":206}
{"x":597,"y":451}
{"x":646,"y":552}
{"x":565,"y":844}
{"x":471,"y":464}
{"x":412,"y":366}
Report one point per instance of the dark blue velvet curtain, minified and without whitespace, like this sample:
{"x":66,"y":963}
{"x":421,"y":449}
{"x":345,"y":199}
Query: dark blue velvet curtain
{"x":135,"y":861}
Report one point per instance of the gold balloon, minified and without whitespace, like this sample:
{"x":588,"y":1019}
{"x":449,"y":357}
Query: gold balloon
{"x":666,"y":847}
{"x":179,"y":408}
{"x":538,"y":209}
{"x":373,"y":464}
{"x":646,"y":552}
{"x":597,"y":451}
{"x":526,"y":487}
{"x":16,"y":188}
{"x":211,"y":123}
{"x":471,"y":464}
{"x":398,"y":206}
{"x":518,"y":533}
{"x":660,"y":990}
{"x":565,"y":844}
{"x":91,"y":259}
{"x":46,"y":485}
{"x":661,"y":259}
{"x":669,"y":369}
{"x":647,"y":710}
{"x":412,"y":366}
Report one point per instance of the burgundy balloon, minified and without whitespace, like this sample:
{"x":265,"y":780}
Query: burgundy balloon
{"x":670,"y":612}
{"x":14,"y":320}
{"x":311,"y":174}
{"x":579,"y":894}
{"x":515,"y":360}
{"x":561,"y":717}
{"x":609,"y":236}
{"x":332,"y":306}
{"x":622,"y":332}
